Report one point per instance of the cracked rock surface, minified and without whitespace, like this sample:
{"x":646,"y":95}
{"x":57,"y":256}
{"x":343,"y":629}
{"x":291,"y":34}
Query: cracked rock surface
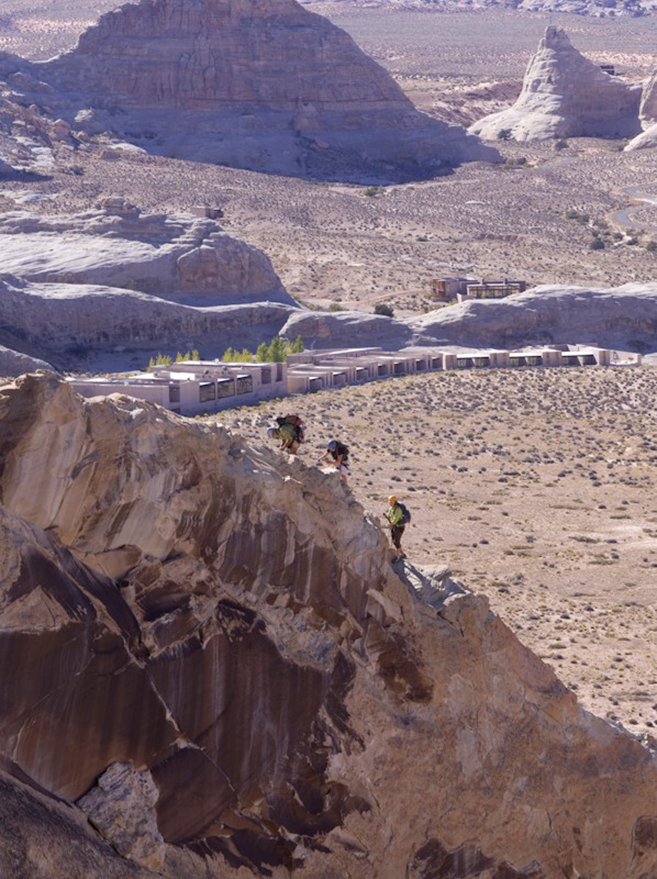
{"x":209,"y":649}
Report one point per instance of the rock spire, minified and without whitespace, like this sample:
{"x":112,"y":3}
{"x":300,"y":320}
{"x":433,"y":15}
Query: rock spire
{"x":565,"y":95}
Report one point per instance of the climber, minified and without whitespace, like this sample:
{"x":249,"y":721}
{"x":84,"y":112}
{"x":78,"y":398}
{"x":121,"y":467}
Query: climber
{"x":337,"y":454}
{"x":398,"y":517}
{"x":289,"y":429}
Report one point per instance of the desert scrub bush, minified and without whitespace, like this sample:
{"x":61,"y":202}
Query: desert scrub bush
{"x":651,"y":246}
{"x":384,"y":309}
{"x":373,"y":191}
{"x":596,"y":244}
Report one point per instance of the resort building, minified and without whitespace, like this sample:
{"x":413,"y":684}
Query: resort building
{"x":205,"y":386}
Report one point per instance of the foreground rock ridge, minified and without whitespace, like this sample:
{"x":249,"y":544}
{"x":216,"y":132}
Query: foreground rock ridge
{"x":212,"y":659}
{"x":565,"y":95}
{"x":262,"y":85}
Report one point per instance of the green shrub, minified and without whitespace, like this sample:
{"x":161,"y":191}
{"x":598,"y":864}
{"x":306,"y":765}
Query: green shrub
{"x":596,"y":244}
{"x":384,"y":309}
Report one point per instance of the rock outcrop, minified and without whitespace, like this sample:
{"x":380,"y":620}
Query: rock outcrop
{"x":618,"y":317}
{"x":98,"y":328}
{"x":346,"y":329}
{"x":565,"y":95}
{"x":13,"y":363}
{"x":259,"y":84}
{"x":221,"y":630}
{"x":116,"y":245}
{"x":76,"y":287}
{"x":648,"y":116}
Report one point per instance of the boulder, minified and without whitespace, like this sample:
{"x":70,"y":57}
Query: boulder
{"x":259,"y":84}
{"x":214,"y":637}
{"x":565,"y":95}
{"x":345,"y":329}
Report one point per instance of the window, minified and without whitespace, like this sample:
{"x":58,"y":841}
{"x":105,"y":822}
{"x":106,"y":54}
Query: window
{"x":244,"y":384}
{"x":206,"y":392}
{"x":174,"y":394}
{"x":265,"y":375}
{"x":225,"y":388}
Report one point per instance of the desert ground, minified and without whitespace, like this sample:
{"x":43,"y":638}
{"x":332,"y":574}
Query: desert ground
{"x":345,"y":246}
{"x":536,"y":487}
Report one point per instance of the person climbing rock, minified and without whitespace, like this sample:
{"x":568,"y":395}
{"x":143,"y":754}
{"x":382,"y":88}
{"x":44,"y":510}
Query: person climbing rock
{"x":289,"y":429}
{"x":398,"y":517}
{"x":337,"y":454}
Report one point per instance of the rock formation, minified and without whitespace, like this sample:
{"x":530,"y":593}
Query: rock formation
{"x":101,"y":328}
{"x":76,"y":287}
{"x":648,"y":116}
{"x":346,"y":329}
{"x":13,"y":363}
{"x":172,"y":257}
{"x":619,"y":317}
{"x":565,"y":95}
{"x":264,"y":85}
{"x":213,"y":637}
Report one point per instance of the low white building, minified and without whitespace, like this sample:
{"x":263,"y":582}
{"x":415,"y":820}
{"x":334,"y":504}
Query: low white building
{"x":207,"y":386}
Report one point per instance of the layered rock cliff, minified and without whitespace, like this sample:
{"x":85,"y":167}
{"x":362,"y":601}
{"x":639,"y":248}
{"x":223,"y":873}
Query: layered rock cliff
{"x":212,"y":658}
{"x":260,"y":84}
{"x":565,"y":95}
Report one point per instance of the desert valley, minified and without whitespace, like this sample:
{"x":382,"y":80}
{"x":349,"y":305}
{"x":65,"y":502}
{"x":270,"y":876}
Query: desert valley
{"x":436,"y":224}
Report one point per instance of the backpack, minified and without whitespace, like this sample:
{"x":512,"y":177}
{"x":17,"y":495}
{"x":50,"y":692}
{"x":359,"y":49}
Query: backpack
{"x":293,"y":419}
{"x":406,"y":514}
{"x":341,"y":449}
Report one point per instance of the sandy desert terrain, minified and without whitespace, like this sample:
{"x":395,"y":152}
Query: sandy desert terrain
{"x":537,"y":488}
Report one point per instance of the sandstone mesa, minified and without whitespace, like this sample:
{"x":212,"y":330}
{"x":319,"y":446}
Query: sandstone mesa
{"x":262,"y":85}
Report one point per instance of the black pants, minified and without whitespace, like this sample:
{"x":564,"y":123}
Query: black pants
{"x":397,"y":532}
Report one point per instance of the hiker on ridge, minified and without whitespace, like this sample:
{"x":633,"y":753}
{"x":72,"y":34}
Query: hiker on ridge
{"x":398,"y":516}
{"x":337,"y":454}
{"x":289,"y":429}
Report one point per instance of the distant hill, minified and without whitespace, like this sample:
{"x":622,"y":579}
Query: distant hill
{"x":595,"y":8}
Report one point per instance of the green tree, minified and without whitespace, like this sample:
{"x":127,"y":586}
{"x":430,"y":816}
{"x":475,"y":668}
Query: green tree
{"x":228,"y":355}
{"x":297,"y":346}
{"x":151,"y":364}
{"x":261,"y":352}
{"x":276,"y":350}
{"x":195,"y":354}
{"x":179,"y":358}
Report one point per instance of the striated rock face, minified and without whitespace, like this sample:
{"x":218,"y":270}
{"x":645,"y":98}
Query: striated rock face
{"x":260,"y":84}
{"x":648,"y":115}
{"x":619,"y":317}
{"x":208,"y":644}
{"x":104,"y":327}
{"x":565,"y":95}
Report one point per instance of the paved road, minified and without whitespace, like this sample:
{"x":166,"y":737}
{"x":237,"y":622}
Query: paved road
{"x":640,"y":193}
